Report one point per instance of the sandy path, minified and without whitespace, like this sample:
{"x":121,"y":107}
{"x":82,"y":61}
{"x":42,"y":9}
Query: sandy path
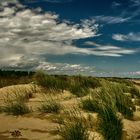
{"x":30,"y":128}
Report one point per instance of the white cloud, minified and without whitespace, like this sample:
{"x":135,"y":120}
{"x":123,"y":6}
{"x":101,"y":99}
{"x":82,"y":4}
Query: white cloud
{"x":111,"y":19}
{"x":58,"y":1}
{"x":109,"y":50}
{"x":129,"y":37}
{"x":136,"y":73}
{"x":65,"y":68}
{"x":28,"y":35}
{"x":135,"y":3}
{"x":115,"y":4}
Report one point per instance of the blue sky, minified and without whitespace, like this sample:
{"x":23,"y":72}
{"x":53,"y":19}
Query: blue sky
{"x":89,"y":37}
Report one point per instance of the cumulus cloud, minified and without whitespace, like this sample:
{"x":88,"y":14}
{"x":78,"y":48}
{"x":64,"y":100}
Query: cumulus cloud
{"x":27,"y":35}
{"x":129,"y":37}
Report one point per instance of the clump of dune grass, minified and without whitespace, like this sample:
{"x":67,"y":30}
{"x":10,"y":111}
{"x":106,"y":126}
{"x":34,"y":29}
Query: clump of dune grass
{"x":121,"y":81}
{"x":15,"y":102}
{"x":50,"y":106}
{"x":21,"y":94}
{"x":89,"y":104}
{"x":78,"y":85}
{"x":110,"y":125}
{"x":125,"y":106}
{"x":74,"y":131}
{"x":88,"y":82}
{"x":135,"y":92}
{"x":78,"y":90}
{"x":123,"y":102}
{"x":81,"y":85}
{"x":74,"y":127}
{"x":16,"y":108}
{"x":51,"y":82}
{"x":111,"y":94}
{"x":116,"y":94}
{"x":107,"y":102}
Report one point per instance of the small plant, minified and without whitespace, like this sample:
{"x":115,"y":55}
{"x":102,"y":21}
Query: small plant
{"x":50,"y":106}
{"x":16,"y":133}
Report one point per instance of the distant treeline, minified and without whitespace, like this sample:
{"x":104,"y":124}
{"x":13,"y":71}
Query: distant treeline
{"x":14,"y":73}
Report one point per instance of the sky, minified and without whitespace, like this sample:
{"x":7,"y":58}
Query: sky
{"x":88,"y":37}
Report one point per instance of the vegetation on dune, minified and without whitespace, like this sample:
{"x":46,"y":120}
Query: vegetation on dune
{"x":74,"y":127}
{"x":11,"y":77}
{"x":89,"y":104}
{"x":113,"y":95}
{"x":50,"y":106}
{"x":123,"y":102}
{"x":107,"y":102}
{"x":110,"y":125}
{"x":74,"y":131}
{"x":50,"y":82}
{"x":15,"y":101}
{"x":78,"y":90}
{"x":78,"y":85}
{"x":110,"y":98}
{"x":120,"y":81}
{"x":15,"y":108}
{"x":135,"y":92}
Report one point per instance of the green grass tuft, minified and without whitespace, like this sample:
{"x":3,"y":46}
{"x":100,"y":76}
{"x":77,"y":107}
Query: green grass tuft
{"x":110,"y":125}
{"x":74,"y":131}
{"x":74,"y":126}
{"x":15,"y":108}
{"x":89,"y":104}
{"x":50,"y":106}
